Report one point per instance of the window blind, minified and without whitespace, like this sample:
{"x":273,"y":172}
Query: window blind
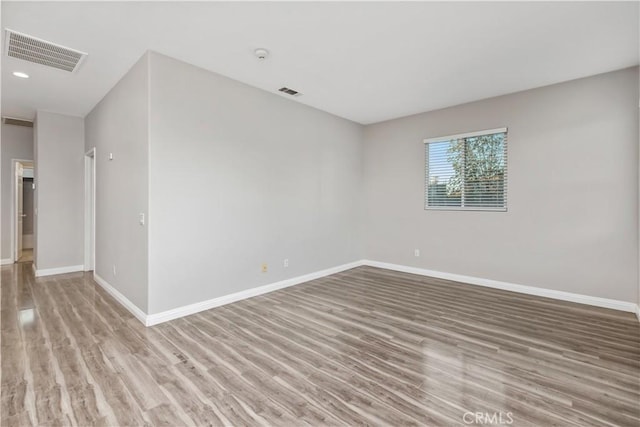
{"x":467,"y":171}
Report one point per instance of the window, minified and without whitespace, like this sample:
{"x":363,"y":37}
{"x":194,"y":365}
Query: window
{"x":467,"y":171}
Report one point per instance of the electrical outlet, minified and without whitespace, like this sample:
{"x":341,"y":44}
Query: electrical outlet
{"x":141,"y":218}
{"x":286,"y":262}
{"x":114,"y":269}
{"x":264,"y":267}
{"x":416,"y":252}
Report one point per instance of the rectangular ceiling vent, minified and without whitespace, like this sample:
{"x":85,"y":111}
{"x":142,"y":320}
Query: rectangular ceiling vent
{"x":33,"y":49}
{"x":289,"y":91}
{"x":17,"y":122}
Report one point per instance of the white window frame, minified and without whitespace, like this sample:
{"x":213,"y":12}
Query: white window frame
{"x":462,"y":136}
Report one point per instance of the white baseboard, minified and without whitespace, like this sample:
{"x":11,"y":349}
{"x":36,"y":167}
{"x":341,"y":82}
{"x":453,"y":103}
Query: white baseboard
{"x":134,"y":309}
{"x":6,"y":261}
{"x":154,"y":319}
{"x":523,"y":289}
{"x":58,"y":270}
{"x":165,"y":316}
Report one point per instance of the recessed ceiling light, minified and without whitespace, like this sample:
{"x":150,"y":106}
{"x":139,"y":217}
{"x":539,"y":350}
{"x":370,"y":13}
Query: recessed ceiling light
{"x":21,"y":74}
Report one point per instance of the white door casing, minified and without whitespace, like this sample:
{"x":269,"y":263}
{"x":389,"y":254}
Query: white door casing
{"x":89,"y":209}
{"x":19,"y":209}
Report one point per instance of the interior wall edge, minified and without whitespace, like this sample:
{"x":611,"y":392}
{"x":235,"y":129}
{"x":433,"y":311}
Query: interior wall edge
{"x":165,"y":316}
{"x":120,"y":298}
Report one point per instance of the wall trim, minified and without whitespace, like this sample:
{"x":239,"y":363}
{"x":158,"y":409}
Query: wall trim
{"x":58,"y":270}
{"x":523,"y":289}
{"x":124,"y":301}
{"x":164,"y":316}
{"x":175,"y":313}
{"x":6,"y":261}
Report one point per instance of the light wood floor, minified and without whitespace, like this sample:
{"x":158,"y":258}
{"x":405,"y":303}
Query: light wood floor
{"x":367,"y":346}
{"x":26,"y":256}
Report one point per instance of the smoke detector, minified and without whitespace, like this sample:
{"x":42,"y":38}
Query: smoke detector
{"x":261,"y":54}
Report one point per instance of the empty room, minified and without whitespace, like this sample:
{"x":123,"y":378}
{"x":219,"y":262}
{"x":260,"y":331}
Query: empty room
{"x":320,"y":213}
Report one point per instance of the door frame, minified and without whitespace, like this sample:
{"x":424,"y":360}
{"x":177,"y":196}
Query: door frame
{"x":90,"y":209}
{"x":14,"y":206}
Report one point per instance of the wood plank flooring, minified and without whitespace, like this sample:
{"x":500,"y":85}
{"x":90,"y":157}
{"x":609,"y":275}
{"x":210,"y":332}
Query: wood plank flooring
{"x":26,"y":256}
{"x":366,"y":346}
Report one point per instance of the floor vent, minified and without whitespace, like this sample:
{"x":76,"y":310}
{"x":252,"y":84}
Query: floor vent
{"x":289,"y":91}
{"x":33,"y":49}
{"x":17,"y":122}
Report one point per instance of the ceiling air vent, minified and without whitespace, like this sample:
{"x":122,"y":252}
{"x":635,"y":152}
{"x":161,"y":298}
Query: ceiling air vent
{"x":32,"y":49}
{"x":17,"y":122}
{"x":289,"y":91}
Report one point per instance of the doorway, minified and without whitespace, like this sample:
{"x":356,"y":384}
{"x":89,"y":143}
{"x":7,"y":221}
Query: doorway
{"x":90,"y":210}
{"x":23,"y":215}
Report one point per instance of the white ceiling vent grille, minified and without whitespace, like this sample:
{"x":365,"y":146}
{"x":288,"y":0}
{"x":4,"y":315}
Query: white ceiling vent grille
{"x":32,"y":49}
{"x":289,"y":91}
{"x":17,"y":122}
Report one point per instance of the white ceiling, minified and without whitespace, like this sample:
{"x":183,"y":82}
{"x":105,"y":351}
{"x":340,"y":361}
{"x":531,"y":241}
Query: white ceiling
{"x":366,"y":62}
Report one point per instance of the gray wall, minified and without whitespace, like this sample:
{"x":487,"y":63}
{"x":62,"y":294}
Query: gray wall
{"x":118,"y":125}
{"x":59,"y":196}
{"x":17,"y":143}
{"x":572,"y":220}
{"x":276,"y":180}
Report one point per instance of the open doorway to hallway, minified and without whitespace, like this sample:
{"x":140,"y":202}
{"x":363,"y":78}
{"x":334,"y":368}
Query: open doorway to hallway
{"x":24,"y":211}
